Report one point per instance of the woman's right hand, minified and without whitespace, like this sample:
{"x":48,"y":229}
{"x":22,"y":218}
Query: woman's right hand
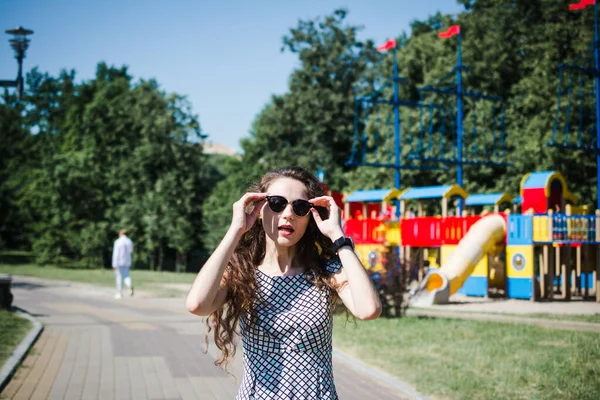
{"x":242,"y":221}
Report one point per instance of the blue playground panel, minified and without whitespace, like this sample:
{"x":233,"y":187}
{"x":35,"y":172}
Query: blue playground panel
{"x":586,"y":278}
{"x":475,"y":286}
{"x":519,"y":288}
{"x":520,"y":230}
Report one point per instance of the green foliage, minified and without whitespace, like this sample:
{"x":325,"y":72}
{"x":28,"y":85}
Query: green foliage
{"x":218,"y":206}
{"x":109,"y":153}
{"x":13,"y":148}
{"x":85,"y":159}
{"x":511,"y":48}
{"x":312,"y":124}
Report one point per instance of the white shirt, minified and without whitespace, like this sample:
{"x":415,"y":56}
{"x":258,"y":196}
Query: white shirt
{"x":122,"y":250}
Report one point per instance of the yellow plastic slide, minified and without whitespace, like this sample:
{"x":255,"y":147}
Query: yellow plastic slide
{"x":440,"y":284}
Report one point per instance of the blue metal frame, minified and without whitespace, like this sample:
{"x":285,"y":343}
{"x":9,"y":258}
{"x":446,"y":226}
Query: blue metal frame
{"x":396,"y":103}
{"x":388,"y":165}
{"x":595,"y":72}
{"x":460,"y":160}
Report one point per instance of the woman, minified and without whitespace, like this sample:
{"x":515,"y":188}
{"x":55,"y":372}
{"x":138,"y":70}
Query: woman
{"x":277,"y":272}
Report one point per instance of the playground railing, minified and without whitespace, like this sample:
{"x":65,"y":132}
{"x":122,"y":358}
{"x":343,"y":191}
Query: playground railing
{"x":365,"y":230}
{"x":422,"y":232}
{"x":520,"y":229}
{"x":435,"y":231}
{"x":542,"y":228}
{"x":455,"y":228}
{"x":392,"y":232}
{"x":574,"y":228}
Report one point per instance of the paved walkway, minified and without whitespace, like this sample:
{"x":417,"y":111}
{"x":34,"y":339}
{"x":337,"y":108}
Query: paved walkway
{"x":510,"y":319}
{"x":95,"y":347}
{"x":514,"y":311}
{"x":460,"y":302}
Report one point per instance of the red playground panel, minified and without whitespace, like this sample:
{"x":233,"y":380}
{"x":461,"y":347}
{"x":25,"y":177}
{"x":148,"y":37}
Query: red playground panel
{"x":365,"y":230}
{"x":455,"y":228}
{"x":422,"y":232}
{"x":436,"y":231}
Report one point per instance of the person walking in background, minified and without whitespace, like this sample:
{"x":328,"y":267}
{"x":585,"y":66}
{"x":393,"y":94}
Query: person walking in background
{"x":121,"y":262}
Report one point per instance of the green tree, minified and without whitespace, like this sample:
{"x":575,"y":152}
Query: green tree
{"x":111,"y":153}
{"x":312,"y":124}
{"x":13,"y":148}
{"x":512,"y":50}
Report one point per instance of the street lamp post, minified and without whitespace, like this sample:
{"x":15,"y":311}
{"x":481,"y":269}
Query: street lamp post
{"x":19,"y":43}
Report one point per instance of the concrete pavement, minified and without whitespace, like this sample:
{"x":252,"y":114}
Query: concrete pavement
{"x":96,"y":347}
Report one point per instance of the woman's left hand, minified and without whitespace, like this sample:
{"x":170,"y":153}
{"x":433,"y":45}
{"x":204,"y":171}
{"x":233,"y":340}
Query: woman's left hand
{"x":331,"y":227}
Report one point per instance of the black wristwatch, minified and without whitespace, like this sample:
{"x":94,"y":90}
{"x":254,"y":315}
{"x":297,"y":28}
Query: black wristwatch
{"x":341,"y":242}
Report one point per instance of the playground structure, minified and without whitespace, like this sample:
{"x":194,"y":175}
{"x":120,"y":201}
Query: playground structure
{"x":538,"y":253}
{"x":538,"y":245}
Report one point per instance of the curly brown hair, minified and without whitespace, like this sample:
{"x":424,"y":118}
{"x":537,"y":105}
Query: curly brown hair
{"x":240,"y":277}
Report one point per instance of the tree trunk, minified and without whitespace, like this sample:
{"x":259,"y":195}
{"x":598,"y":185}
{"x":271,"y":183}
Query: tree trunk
{"x":161,"y":255}
{"x":180,"y":261}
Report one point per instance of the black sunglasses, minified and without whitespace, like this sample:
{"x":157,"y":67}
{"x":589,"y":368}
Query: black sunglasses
{"x":278,"y":203}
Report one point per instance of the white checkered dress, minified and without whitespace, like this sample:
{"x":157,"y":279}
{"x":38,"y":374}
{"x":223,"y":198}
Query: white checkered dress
{"x":287,"y":354}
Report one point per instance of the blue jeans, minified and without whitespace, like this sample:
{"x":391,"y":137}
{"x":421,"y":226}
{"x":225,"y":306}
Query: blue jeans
{"x":122,"y":274}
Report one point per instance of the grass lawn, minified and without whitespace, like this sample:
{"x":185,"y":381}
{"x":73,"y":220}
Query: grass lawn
{"x":12,"y":330}
{"x":143,"y":280}
{"x":580,"y":317}
{"x":461,"y":359}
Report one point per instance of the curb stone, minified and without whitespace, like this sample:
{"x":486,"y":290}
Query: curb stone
{"x":18,"y":354}
{"x":380,"y":375}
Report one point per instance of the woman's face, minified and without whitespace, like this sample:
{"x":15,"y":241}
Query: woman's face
{"x":285,"y":228}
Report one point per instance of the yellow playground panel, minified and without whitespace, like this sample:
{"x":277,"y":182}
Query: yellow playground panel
{"x":392,"y":233}
{"x":477,"y":280}
{"x":370,"y":255}
{"x":433,"y":254}
{"x":542,"y":228}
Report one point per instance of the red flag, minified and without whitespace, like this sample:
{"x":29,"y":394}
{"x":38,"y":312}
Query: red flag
{"x":581,"y":4}
{"x":453,"y":30}
{"x":390,"y":44}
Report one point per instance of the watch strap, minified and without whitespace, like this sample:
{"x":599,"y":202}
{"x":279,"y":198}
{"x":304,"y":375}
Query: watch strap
{"x":341,"y":242}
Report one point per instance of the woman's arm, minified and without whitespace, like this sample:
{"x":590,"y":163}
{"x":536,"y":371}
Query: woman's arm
{"x":208,"y":292}
{"x":356,"y":288}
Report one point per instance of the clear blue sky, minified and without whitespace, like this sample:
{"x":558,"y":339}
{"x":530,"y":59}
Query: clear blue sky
{"x":224,"y":55}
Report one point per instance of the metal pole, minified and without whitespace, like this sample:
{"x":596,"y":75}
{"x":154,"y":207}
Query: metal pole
{"x":20,"y":77}
{"x":597,"y":106}
{"x":397,"y":143}
{"x":397,"y":149}
{"x":459,"y":121}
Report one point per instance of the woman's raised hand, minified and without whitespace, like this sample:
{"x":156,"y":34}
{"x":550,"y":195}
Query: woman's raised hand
{"x":246,"y":211}
{"x":331,"y":227}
